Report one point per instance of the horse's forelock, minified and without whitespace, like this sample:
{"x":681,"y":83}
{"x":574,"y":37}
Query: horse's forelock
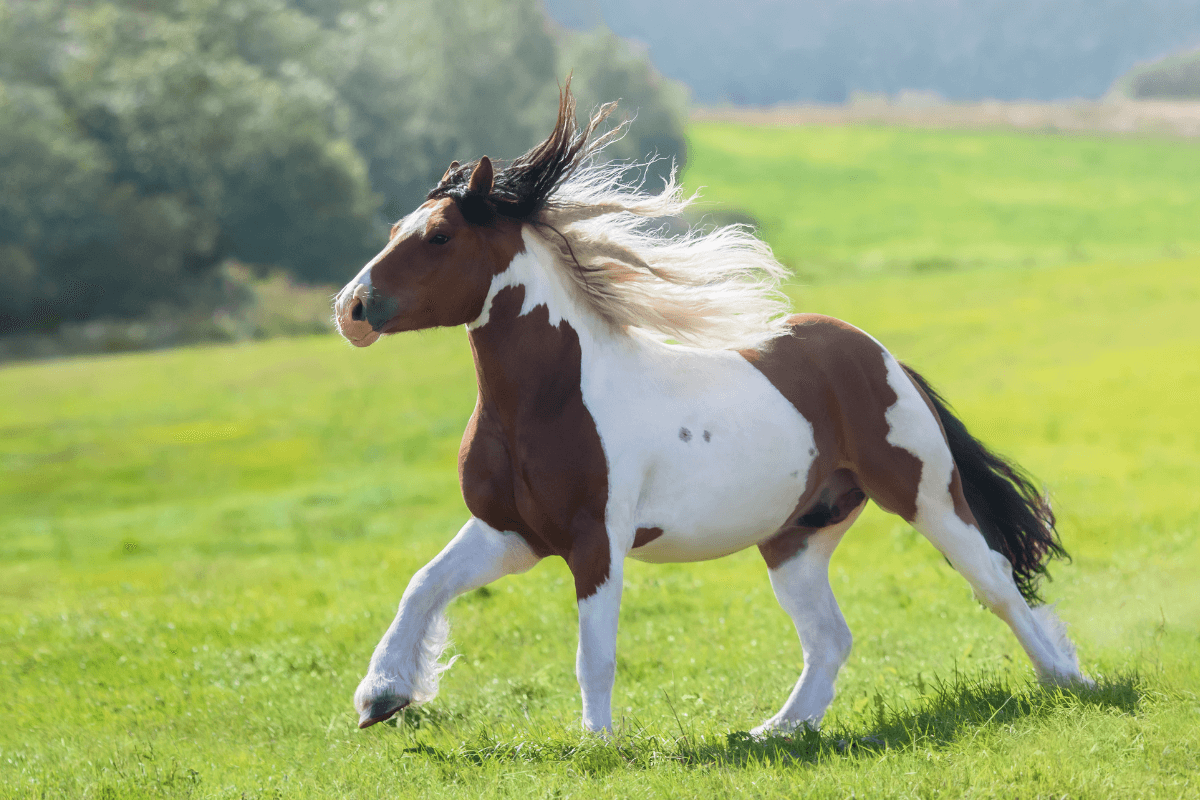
{"x":527,"y":185}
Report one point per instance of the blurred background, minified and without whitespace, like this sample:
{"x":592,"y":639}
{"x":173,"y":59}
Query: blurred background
{"x":189,"y":165}
{"x":210,"y":503}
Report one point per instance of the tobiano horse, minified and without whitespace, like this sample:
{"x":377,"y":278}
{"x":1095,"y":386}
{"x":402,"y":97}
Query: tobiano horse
{"x":644,"y":396}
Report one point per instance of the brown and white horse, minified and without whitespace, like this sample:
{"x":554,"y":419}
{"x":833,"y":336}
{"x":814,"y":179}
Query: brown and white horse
{"x":643,"y":396}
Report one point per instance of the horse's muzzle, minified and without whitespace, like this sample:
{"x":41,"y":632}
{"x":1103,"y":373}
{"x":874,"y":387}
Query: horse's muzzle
{"x":350,"y":312}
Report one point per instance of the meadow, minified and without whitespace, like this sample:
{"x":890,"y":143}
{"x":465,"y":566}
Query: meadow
{"x":199,"y":548}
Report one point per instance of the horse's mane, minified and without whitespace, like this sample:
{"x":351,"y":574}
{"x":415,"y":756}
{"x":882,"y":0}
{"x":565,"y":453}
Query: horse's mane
{"x":717,"y":289}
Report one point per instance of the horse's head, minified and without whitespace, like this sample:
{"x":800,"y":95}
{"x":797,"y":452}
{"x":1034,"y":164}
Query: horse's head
{"x":436,"y":268}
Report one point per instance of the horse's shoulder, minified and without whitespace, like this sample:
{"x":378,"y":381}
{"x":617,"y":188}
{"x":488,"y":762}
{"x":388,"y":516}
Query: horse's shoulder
{"x":485,"y":470}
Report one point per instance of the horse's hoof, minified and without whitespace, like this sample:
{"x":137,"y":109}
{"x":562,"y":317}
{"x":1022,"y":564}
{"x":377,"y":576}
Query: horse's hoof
{"x":777,"y":726}
{"x":382,"y":709}
{"x":1068,"y":681}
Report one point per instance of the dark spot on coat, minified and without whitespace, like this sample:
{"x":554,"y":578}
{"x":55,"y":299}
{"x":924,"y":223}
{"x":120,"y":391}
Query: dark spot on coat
{"x":685,"y":435}
{"x":707,"y":436}
{"x":644,"y":536}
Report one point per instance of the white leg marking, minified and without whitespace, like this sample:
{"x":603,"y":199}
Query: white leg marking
{"x":914,"y":428}
{"x":404,"y":667}
{"x":1056,"y":629}
{"x":802,"y":587}
{"x":596,"y":659}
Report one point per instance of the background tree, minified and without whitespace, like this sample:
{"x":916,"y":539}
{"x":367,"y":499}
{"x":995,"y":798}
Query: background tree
{"x":147,"y":141}
{"x":607,"y":68}
{"x":1176,"y":77}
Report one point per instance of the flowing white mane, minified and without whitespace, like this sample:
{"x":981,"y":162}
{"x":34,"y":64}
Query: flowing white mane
{"x":715,"y":290}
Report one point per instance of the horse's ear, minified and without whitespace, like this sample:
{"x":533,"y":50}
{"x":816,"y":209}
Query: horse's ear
{"x":481,"y":178}
{"x":449,"y":171}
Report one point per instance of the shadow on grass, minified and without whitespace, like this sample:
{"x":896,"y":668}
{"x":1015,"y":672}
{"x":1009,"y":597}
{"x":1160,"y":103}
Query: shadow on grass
{"x":951,"y":710}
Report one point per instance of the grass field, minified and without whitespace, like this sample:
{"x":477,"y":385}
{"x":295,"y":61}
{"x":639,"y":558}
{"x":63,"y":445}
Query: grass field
{"x":860,"y":201}
{"x":200,"y":548}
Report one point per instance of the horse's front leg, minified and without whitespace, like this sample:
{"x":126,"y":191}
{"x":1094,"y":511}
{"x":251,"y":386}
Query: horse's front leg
{"x":599,"y":609}
{"x":404,"y":668}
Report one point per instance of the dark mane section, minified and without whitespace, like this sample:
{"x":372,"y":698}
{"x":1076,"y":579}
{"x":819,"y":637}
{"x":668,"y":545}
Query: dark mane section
{"x":527,"y":184}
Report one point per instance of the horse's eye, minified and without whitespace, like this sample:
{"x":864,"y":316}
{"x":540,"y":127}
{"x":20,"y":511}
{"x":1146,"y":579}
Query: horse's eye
{"x":439,"y":238}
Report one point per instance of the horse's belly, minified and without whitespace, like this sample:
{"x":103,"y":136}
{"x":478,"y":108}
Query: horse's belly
{"x":711,"y":508}
{"x":717,"y":466}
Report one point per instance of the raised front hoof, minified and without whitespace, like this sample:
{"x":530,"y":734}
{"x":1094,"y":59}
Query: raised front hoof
{"x":381,"y":710}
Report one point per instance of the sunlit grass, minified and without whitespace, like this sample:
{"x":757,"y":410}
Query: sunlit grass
{"x":200,"y":548}
{"x":860,"y":200}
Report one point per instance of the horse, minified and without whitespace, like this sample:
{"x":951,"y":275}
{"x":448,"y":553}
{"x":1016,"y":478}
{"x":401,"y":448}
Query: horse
{"x":645,"y":395}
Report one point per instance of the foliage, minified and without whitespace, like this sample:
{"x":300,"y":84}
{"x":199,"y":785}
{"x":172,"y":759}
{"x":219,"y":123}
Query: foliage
{"x":1175,"y":77}
{"x":244,"y":305}
{"x":151,"y":141}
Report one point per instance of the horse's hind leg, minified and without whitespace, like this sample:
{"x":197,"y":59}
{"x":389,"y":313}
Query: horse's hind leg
{"x":932,"y":500}
{"x":801,"y":584}
{"x":990,"y":575}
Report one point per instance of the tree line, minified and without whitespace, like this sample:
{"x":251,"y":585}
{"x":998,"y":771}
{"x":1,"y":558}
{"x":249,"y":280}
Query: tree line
{"x":145,"y":142}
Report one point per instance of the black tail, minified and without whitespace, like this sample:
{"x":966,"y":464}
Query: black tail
{"x":1015,"y":518}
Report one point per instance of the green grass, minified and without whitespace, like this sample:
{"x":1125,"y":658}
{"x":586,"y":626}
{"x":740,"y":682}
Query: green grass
{"x":200,"y":548}
{"x":863,"y":200}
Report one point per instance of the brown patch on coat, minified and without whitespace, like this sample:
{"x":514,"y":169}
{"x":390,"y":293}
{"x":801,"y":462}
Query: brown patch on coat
{"x":531,"y":460}
{"x":644,"y":536}
{"x":836,"y":377}
{"x":837,"y":497}
{"x":961,"y":509}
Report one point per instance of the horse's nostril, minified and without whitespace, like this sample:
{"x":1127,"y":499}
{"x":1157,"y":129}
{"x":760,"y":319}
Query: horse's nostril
{"x":357,"y":313}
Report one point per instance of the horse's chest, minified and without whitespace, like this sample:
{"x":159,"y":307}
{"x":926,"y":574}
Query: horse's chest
{"x":541,"y":473}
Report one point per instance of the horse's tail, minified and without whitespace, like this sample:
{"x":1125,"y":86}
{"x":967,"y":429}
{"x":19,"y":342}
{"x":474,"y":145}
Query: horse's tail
{"x":1015,"y":518}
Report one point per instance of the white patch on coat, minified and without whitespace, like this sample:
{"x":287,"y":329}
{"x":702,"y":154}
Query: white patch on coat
{"x":596,"y":657}
{"x":414,"y":223}
{"x":801,"y":585}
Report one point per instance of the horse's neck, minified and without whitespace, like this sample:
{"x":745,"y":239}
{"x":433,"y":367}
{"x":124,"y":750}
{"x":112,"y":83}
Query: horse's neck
{"x":529,"y":342}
